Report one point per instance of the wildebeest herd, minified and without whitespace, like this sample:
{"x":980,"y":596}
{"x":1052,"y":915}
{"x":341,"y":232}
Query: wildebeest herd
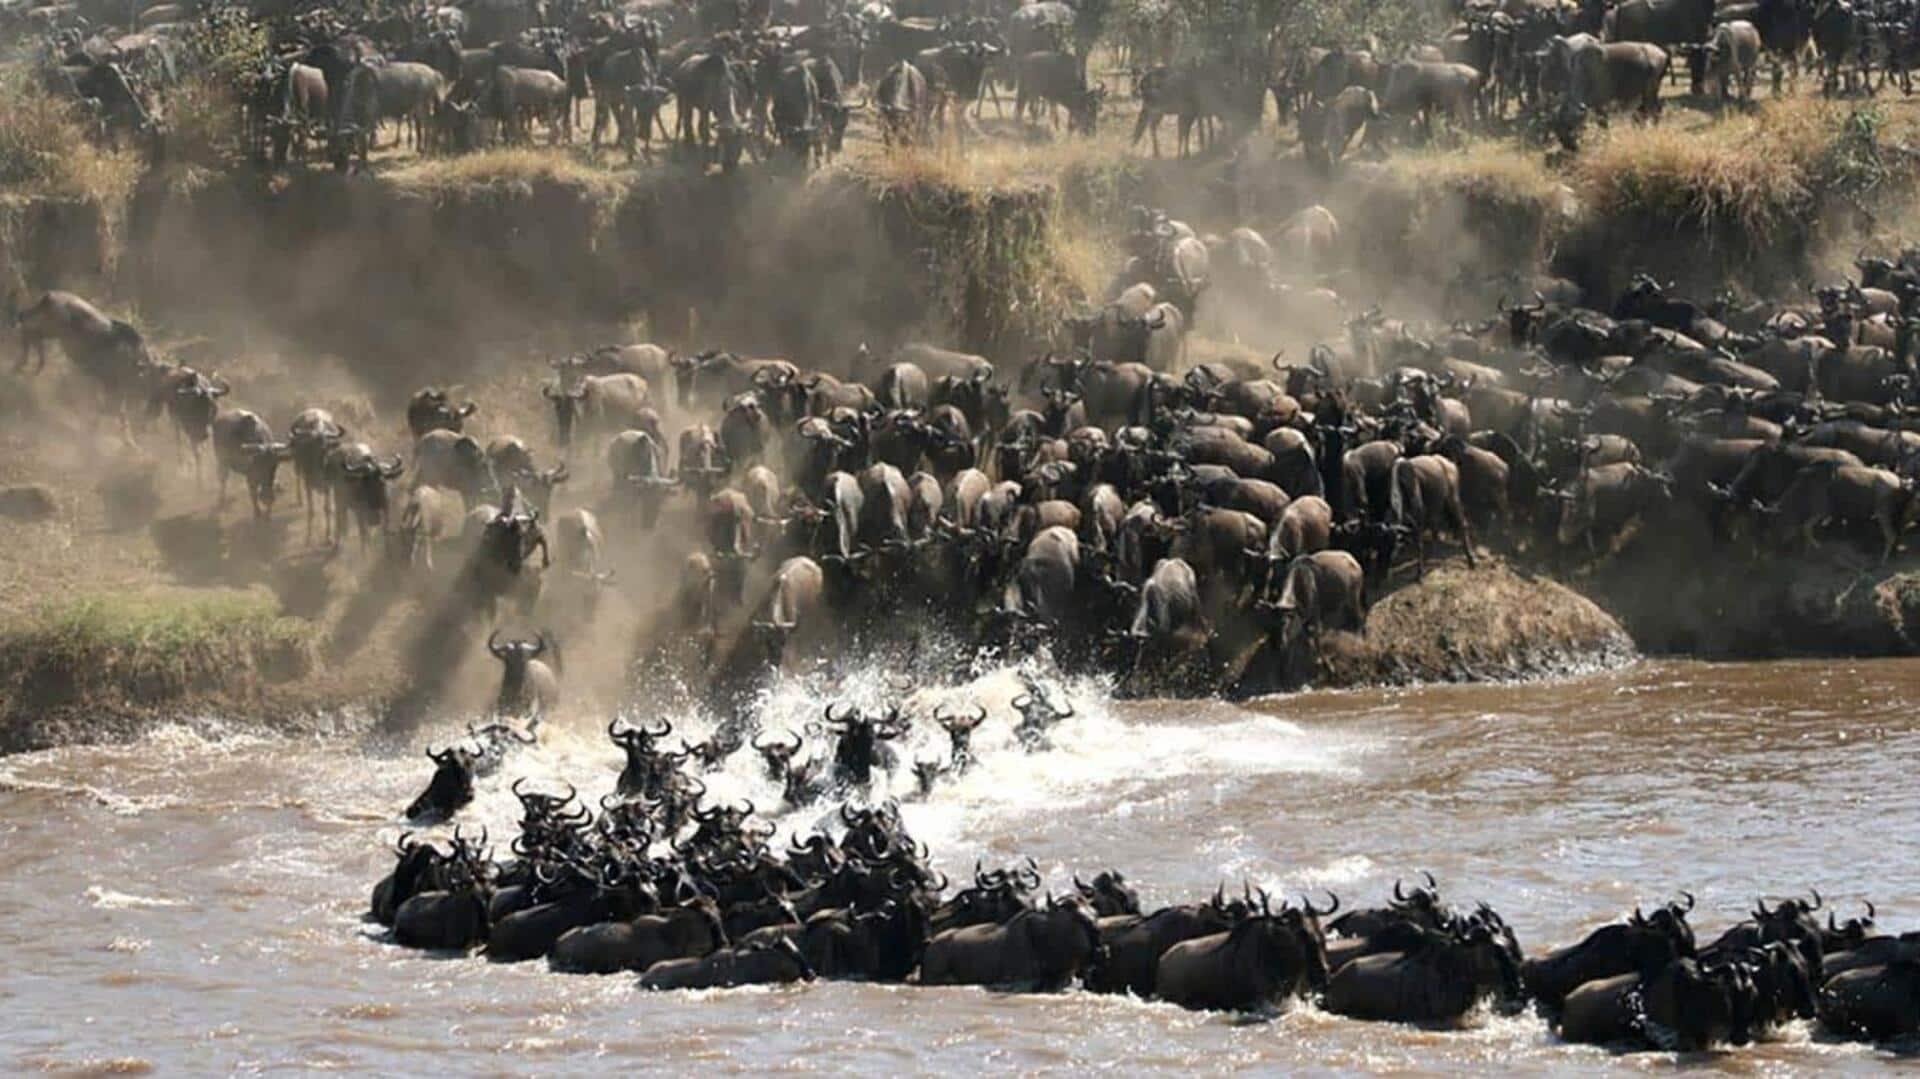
{"x":1187,"y":527}
{"x":693,"y":896}
{"x":780,"y":79}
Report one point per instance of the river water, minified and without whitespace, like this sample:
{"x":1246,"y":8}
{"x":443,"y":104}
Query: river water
{"x":193,"y":902}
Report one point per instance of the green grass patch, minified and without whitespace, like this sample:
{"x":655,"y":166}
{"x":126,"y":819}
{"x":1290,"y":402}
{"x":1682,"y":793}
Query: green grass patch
{"x":139,"y":649}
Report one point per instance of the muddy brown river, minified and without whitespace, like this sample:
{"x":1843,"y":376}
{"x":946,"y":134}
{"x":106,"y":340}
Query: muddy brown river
{"x":192,"y":902}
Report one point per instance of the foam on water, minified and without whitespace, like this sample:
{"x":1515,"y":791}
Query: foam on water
{"x":1095,"y":758}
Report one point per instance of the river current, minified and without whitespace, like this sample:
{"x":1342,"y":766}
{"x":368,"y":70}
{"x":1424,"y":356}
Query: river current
{"x":193,"y":901}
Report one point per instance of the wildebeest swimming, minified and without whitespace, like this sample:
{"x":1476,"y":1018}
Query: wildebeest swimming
{"x":683,"y":894}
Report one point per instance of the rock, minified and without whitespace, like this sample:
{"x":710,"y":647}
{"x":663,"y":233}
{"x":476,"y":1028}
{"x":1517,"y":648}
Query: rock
{"x":28,"y":502}
{"x":1460,"y":624}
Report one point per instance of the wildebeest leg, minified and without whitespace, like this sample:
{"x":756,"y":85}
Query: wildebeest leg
{"x":1459,"y":515}
{"x":220,"y":502}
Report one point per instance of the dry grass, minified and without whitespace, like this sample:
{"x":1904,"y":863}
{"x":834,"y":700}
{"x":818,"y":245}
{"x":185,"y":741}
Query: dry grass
{"x":1499,"y":172}
{"x":1749,"y":172}
{"x":1002,"y":155}
{"x":519,"y":168}
{"x":46,"y":151}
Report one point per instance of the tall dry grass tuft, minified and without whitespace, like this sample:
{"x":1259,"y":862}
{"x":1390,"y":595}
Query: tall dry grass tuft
{"x":986,"y":160}
{"x":517,"y":167}
{"x":1749,"y":174}
{"x":46,"y":149}
{"x":1498,"y":172}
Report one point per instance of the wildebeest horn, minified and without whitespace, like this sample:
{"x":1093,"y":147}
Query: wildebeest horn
{"x":851,"y":711}
{"x":1760,"y":909}
{"x":1871,"y":913}
{"x":1689,"y":898}
{"x":1399,"y":892}
{"x":1432,"y":885}
{"x":1333,"y":905}
{"x":1817,"y":901}
{"x":501,"y":653}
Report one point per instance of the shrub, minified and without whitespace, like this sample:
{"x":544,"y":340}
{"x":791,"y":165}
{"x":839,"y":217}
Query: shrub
{"x":46,"y":148}
{"x":144,"y":648}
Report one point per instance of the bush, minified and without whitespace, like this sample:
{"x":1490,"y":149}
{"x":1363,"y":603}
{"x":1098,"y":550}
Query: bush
{"x":47,"y":150}
{"x":142,"y":649}
{"x":221,"y":56}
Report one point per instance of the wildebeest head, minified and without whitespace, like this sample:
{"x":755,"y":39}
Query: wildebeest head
{"x":1669,"y":920}
{"x":1689,"y":1006}
{"x":926,"y":773}
{"x":515,"y":654}
{"x":1109,"y":894}
{"x":513,"y":534}
{"x":858,"y":738}
{"x":432,"y":409}
{"x":645,"y":767}
{"x":262,"y":469}
{"x":1845,"y":936}
{"x":195,"y":398}
{"x":960,"y":727}
{"x":538,"y":485}
{"x":784,"y":398}
{"x":1783,"y":987}
{"x":778,"y":755}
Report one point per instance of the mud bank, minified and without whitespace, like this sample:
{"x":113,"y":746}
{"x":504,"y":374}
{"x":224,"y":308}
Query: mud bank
{"x":410,"y":275}
{"x":106,"y":666}
{"x":1838,"y":604}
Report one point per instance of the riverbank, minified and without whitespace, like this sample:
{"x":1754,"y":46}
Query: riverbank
{"x":311,"y":288}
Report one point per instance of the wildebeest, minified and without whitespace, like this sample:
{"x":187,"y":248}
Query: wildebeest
{"x":1732,"y":56}
{"x":1640,"y":945}
{"x":358,"y":481}
{"x":598,"y":406}
{"x":1443,"y":977}
{"x":905,"y":103}
{"x":432,"y":409}
{"x":430,"y":516}
{"x":370,"y":93}
{"x":1037,"y":950}
{"x":313,"y":434}
{"x":1055,"y":80}
{"x":689,"y":931}
{"x":449,"y":789}
{"x":514,"y":96}
{"x":529,"y":684}
{"x":243,"y":443}
{"x":772,"y":963}
{"x":1848,"y":495}
{"x":1599,"y":77}
{"x":1659,"y":22}
{"x":1420,"y":91}
{"x":1263,"y":961}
